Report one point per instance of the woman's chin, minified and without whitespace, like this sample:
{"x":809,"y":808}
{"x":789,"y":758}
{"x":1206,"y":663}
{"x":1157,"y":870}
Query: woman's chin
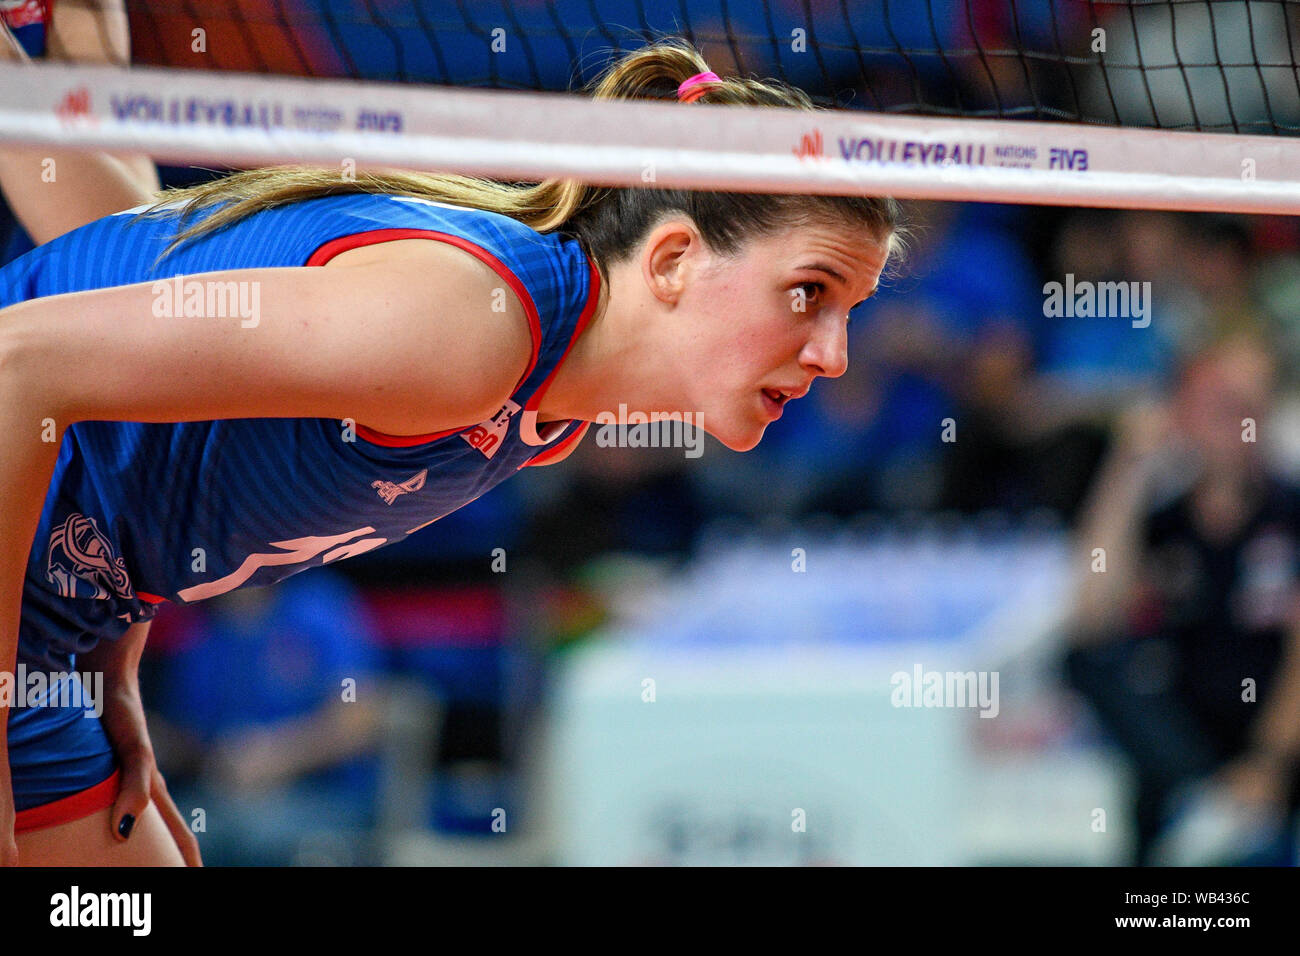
{"x":740,"y":439}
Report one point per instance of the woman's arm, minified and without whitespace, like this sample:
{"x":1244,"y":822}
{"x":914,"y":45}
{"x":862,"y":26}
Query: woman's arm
{"x":25,"y":469}
{"x":52,"y":191}
{"x":408,"y":345}
{"x":1112,"y":521}
{"x":281,"y":753}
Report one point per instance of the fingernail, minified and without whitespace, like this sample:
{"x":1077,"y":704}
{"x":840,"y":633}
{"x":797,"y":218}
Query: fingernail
{"x":124,"y":827}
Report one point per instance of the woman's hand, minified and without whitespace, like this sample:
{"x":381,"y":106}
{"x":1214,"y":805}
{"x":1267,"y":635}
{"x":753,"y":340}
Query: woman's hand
{"x":1144,"y":430}
{"x":251,"y":762}
{"x":124,"y":724}
{"x":8,"y":848}
{"x":142,"y":781}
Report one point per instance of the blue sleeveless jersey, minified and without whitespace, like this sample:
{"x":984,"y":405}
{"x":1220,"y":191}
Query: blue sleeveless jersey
{"x":138,"y":514}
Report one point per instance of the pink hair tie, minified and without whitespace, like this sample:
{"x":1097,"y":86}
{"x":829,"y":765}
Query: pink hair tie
{"x":697,"y":80}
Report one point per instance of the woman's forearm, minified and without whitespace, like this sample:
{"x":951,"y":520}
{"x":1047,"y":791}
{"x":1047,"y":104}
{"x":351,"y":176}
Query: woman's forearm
{"x":1276,"y":731}
{"x":53,"y":191}
{"x":1109,"y":538}
{"x":32,"y":431}
{"x":1107,"y":544}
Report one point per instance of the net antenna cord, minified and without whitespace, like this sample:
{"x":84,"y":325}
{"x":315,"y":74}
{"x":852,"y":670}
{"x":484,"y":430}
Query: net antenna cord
{"x":192,"y":117}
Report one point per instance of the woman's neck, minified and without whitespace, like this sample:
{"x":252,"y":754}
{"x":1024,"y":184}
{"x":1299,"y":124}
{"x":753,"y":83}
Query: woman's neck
{"x":610,"y":362}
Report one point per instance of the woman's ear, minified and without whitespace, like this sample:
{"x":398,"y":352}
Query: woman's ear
{"x":672,"y":252}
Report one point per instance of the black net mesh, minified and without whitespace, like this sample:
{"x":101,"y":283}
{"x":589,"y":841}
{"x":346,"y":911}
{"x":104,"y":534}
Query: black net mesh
{"x":1170,"y":64}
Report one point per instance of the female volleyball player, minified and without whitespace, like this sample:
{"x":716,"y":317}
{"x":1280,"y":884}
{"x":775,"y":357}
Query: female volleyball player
{"x":325,"y":379}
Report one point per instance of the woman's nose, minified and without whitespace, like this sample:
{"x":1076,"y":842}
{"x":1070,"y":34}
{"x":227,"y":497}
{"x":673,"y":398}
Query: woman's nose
{"x":827,"y":352}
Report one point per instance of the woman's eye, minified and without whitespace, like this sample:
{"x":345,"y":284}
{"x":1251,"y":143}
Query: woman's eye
{"x":806,"y":292}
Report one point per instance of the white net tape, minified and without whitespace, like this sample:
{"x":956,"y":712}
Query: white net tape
{"x":243,"y":120}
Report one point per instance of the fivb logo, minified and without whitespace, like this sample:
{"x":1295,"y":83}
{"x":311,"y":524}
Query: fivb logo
{"x":76,"y":909}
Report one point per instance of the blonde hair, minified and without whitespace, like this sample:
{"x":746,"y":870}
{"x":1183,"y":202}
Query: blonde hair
{"x":607,"y":221}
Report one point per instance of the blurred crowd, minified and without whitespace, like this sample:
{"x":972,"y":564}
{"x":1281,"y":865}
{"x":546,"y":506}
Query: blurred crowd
{"x":286,"y":714}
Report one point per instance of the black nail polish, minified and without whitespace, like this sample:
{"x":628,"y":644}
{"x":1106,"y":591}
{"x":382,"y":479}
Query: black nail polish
{"x":124,"y":827}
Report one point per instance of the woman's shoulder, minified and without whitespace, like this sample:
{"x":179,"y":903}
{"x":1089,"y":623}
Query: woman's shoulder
{"x":551,"y":268}
{"x":492,"y":231}
{"x":549,"y":273}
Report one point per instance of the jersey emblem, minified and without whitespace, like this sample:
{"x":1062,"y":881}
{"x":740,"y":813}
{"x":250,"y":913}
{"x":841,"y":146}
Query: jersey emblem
{"x":80,"y":561}
{"x":389,"y":491}
{"x":487,"y":436}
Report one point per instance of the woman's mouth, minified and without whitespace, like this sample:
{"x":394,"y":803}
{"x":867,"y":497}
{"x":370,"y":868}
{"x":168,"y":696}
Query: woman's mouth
{"x":773,"y":401}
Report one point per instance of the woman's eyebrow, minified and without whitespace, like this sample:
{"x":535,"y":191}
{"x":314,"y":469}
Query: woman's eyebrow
{"x":819,"y":267}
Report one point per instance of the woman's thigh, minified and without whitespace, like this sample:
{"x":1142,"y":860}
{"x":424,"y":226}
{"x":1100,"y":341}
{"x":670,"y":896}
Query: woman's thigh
{"x":89,"y":841}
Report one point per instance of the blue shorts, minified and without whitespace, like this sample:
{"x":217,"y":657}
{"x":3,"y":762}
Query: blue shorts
{"x":57,"y":750}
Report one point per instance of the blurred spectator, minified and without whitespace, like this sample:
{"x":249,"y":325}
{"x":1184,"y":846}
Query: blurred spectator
{"x":1219,"y":265}
{"x":1100,"y":363}
{"x":1032,"y":428}
{"x":1276,"y":282}
{"x":266,"y":718}
{"x":1187,"y":639}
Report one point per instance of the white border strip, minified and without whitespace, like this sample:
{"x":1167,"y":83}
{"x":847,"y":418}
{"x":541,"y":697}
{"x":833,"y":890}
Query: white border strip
{"x":229,"y":119}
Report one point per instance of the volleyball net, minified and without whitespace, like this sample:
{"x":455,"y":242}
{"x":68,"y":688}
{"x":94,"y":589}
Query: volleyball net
{"x":1159,"y":105}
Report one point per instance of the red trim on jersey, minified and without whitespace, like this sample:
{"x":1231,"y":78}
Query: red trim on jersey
{"x":358,"y":239}
{"x":73,"y":807}
{"x":558,"y":451}
{"x":151,"y":598}
{"x":589,"y":310}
